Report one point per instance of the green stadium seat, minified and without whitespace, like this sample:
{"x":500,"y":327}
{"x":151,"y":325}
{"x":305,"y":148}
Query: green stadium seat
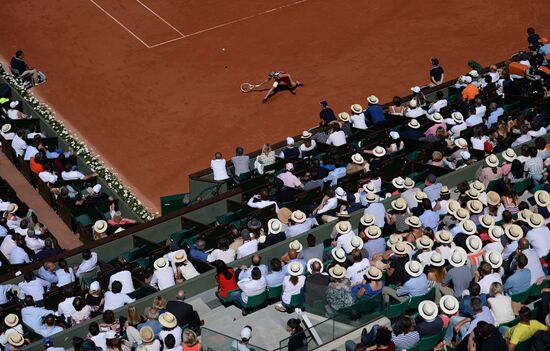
{"x":255,"y":302}
{"x":274,"y":293}
{"x":535,"y":290}
{"x":415,"y":300}
{"x":397,"y":309}
{"x":521,"y":297}
{"x":227,"y":300}
{"x":428,"y":343}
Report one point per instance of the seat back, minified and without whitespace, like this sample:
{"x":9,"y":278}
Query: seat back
{"x":397,"y":309}
{"x":256,"y":300}
{"x":274,"y":292}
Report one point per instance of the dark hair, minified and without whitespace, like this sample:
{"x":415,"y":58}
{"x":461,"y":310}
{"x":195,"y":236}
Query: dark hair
{"x":524,"y":314}
{"x":18,"y":53}
{"x":507,"y":216}
{"x":435,"y":61}
{"x":86,"y":254}
{"x":521,"y":260}
{"x":356,"y":255}
{"x":483,"y":330}
{"x":439,"y":95}
{"x":517,"y":169}
{"x":116,"y":287}
{"x":474,"y":289}
{"x":109,"y":317}
{"x":256,"y":274}
{"x":276,"y":265}
{"x":485,"y":268}
{"x":221,"y":268}
{"x":404,"y":324}
{"x":294,"y":324}
{"x":530,"y":30}
{"x":93,"y":328}
{"x":476,"y":304}
{"x":383,"y":336}
{"x":311,"y":241}
{"x":427,"y":204}
{"x":540,"y":143}
{"x":223,"y":244}
{"x":397,"y":100}
{"x":78,"y":303}
{"x":169,"y":341}
{"x":239,"y":151}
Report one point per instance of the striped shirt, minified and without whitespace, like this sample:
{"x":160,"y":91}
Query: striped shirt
{"x":534,"y":166}
{"x":405,"y":341}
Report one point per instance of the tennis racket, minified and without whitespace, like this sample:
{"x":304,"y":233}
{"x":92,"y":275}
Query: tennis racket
{"x":246,"y":87}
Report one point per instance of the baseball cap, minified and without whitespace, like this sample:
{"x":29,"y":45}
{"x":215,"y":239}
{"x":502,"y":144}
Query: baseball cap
{"x":246,"y":332}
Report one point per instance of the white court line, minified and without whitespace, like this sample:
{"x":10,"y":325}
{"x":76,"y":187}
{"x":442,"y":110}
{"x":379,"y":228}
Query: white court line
{"x":162,"y":19}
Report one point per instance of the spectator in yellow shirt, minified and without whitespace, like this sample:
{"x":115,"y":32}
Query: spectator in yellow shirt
{"x":524,"y":330}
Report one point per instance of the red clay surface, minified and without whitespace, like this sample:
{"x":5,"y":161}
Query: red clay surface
{"x":158,"y":114}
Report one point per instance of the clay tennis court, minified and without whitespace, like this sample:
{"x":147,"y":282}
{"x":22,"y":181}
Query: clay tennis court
{"x":148,"y":85}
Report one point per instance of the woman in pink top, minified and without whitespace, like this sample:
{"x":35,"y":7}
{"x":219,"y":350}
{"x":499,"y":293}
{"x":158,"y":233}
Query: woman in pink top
{"x":118,"y":220}
{"x":492,"y":172}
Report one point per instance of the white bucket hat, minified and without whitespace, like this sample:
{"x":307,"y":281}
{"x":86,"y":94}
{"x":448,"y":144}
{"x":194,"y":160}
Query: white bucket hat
{"x":274,"y":226}
{"x":495,"y":232}
{"x":398,"y":182}
{"x":542,"y":198}
{"x":428,"y":310}
{"x":414,"y":123}
{"x":419,"y":196}
{"x":372,"y":99}
{"x":474,"y":206}
{"x":491,"y":160}
{"x":458,"y":118}
{"x":344,"y":116}
{"x":443,"y":236}
{"x":487,"y":221}
{"x":408,"y":183}
{"x":413,"y":222}
{"x":436,"y":117}
{"x":100,"y":226}
{"x":493,"y":198}
{"x":437,"y":260}
{"x":449,"y":304}
{"x":373,"y":273}
{"x":524,"y":215}
{"x":462,"y":214}
{"x":160,"y":263}
{"x":413,"y":268}
{"x":357,"y":159}
{"x":356,"y":108}
{"x":399,"y":204}
{"x":356,"y":242}
{"x":509,"y":155}
{"x":393,"y":239}
{"x":298,"y":216}
{"x":477,"y":185}
{"x":461,"y":143}
{"x":371,"y":197}
{"x":6,"y":128}
{"x":367,"y":219}
{"x":536,"y":220}
{"x":343,"y":227}
{"x":305,"y":135}
{"x":399,"y":248}
{"x":369,"y":187}
{"x":12,"y":208}
{"x":468,"y":227}
{"x":452,"y":206}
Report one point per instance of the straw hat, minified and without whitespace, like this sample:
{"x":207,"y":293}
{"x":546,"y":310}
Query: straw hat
{"x":424,"y":242}
{"x":448,"y":304}
{"x":356,"y":242}
{"x":419,"y":196}
{"x":343,"y":227}
{"x":310,"y":263}
{"x":461,"y":143}
{"x":452,"y":206}
{"x":344,"y":116}
{"x":343,"y":213}
{"x":477,"y":185}
{"x":337,"y":271}
{"x":413,"y":222}
{"x":491,"y":160}
{"x":373,"y":232}
{"x":513,"y":232}
{"x":444,"y":190}
{"x":509,"y":155}
{"x":487,"y":221}
{"x":495,"y":233}
{"x":338,"y":254}
{"x":413,"y":103}
{"x":369,"y":187}
{"x":147,"y":334}
{"x":409,"y":247}
{"x":462,"y":214}
{"x":474,"y":244}
{"x":399,"y":204}
{"x":357,"y":159}
{"x":11,"y":320}
{"x":494,"y":258}
{"x":6,"y":128}
{"x":168,"y":320}
{"x":372,"y":99}
{"x":408,"y":183}
{"x":437,"y":260}
{"x":436,"y":117}
{"x":12,"y":208}
{"x":373,"y":273}
{"x":472,"y":193}
{"x":298,"y":217}
{"x":295,"y":269}
{"x":295,"y":245}
{"x":284,"y":215}
{"x":367,"y":219}
{"x":414,"y":124}
{"x":100,"y":226}
{"x":399,"y":248}
{"x":413,"y":268}
{"x":493,"y":198}
{"x":180,"y":256}
{"x":379,"y":151}
{"x":393,"y":239}
{"x":306,"y":135}
{"x":428,"y":310}
{"x":457,"y":117}
{"x":274,"y":226}
{"x":542,"y":198}
{"x":356,"y":108}
{"x":524,"y":215}
{"x":16,"y":339}
{"x":398,"y":182}
{"x":371,"y":197}
{"x":160,"y":263}
{"x":468,"y":227}
{"x":474,"y":206}
{"x":458,"y":257}
{"x":536,"y":220}
{"x":443,"y":236}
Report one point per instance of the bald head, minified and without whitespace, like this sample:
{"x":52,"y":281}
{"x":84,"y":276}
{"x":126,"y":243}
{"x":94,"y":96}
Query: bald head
{"x":523,"y":244}
{"x":316,"y":267}
{"x":49,"y":266}
{"x":180,"y":295}
{"x":256,"y":260}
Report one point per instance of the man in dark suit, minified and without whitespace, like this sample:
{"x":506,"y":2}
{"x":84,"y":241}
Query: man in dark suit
{"x":316,"y":284}
{"x":184,"y":312}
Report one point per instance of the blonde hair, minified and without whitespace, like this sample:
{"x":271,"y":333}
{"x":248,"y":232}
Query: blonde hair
{"x":437,"y":156}
{"x":496,"y":288}
{"x":159,"y":303}
{"x":189,"y":337}
{"x":133,"y":316}
{"x":266,"y":149}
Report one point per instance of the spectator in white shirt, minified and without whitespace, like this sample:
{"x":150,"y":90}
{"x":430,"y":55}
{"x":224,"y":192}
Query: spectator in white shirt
{"x":184,"y":269}
{"x":65,"y":308}
{"x":30,"y":152}
{"x":65,"y":274}
{"x":18,"y":144}
{"x":73,"y":174}
{"x":47,"y":175}
{"x":262,"y":200}
{"x":115,"y":298}
{"x":414,"y":111}
{"x":14,"y":113}
{"x":485,"y":276}
{"x":97,"y":336}
{"x":358,"y":119}
{"x":6,"y":132}
{"x":12,"y":324}
{"x":32,"y":315}
{"x":33,"y":242}
{"x":473,"y":119}
{"x":32,"y":286}
{"x":88,"y":264}
{"x":7,"y":245}
{"x":524,"y":137}
{"x":439,"y":104}
{"x":49,"y":327}
{"x":494,"y":115}
{"x":480,"y":108}
{"x":124,"y":276}
{"x":360,"y":265}
{"x":249,"y":246}
{"x":538,"y":235}
{"x":536,"y":130}
{"x":222,"y":252}
{"x":170,"y":327}
{"x":218,"y":166}
{"x":252,"y":286}
{"x":163,"y":276}
{"x":18,"y":254}
{"x":337,"y":137}
{"x":478,"y":139}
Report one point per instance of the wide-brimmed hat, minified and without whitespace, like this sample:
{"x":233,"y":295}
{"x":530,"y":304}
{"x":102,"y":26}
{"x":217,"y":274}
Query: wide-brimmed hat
{"x":513,"y":232}
{"x":525,"y":214}
{"x":340,"y":193}
{"x":298,"y":216}
{"x":393,"y":239}
{"x":147,"y":334}
{"x":493,"y":198}
{"x":408,"y":183}
{"x":254,"y":224}
{"x":436,"y":117}
{"x":180,"y":256}
{"x":357,"y":159}
{"x":295,"y":245}
{"x":492,"y":160}
{"x":444,"y":190}
{"x":399,"y":248}
{"x":356,"y":108}
{"x":509,"y":155}
{"x":474,"y":206}
{"x":274,"y":226}
{"x":369,"y":187}
{"x":295,"y":269}
{"x":413,"y":268}
{"x":477,"y":185}
{"x":443,"y":236}
{"x":542,"y":198}
{"x":428,"y":310}
{"x":413,"y":103}
{"x":398,"y":182}
{"x":100,"y":226}
{"x":494,"y":258}
{"x":160,"y":263}
{"x":284,"y":215}
{"x":458,"y":257}
{"x":343,"y":213}
{"x":462,"y":214}
{"x":11,"y":320}
{"x":371,"y":197}
{"x":461,"y":143}
{"x":344,"y":116}
{"x":306,"y":135}
{"x":337,"y":271}
{"x":367,"y":219}
{"x":414,"y":124}
{"x":379,"y":151}
{"x":424,"y":242}
{"x":473,"y":73}
{"x":452,"y":206}
{"x":536,"y":220}
{"x":12,"y":208}
{"x":356,"y":242}
{"x":373,"y":232}
{"x":6,"y":128}
{"x":472,"y":193}
{"x":413,"y":222}
{"x":399,"y":204}
{"x":168,"y":320}
{"x":457,"y":117}
{"x":474,"y":244}
{"x":487,"y":221}
{"x":372,"y":99}
{"x":437,"y":260}
{"x":373,"y":273}
{"x":449,"y":304}
{"x":16,"y":339}
{"x":495,"y":232}
{"x":343,"y":227}
{"x":419,"y":196}
{"x":310,"y":263}
{"x":338,"y":254}
{"x":468,"y":227}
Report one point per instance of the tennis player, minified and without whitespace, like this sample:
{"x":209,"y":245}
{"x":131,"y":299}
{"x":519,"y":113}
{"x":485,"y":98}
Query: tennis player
{"x":281,"y":79}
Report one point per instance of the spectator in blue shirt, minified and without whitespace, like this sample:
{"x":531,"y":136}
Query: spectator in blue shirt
{"x":197,"y":251}
{"x":47,"y":272}
{"x":416,"y":285}
{"x":465,"y":306}
{"x":337,"y":173}
{"x":276,"y":275}
{"x":371,"y":285}
{"x":494,"y":115}
{"x":521,"y":279}
{"x":326,"y":114}
{"x":375,"y":112}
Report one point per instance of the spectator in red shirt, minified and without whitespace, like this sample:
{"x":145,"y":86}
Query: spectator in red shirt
{"x":225,"y":276}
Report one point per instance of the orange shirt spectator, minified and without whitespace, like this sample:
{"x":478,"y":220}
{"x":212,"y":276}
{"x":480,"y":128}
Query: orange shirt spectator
{"x":35,"y":166}
{"x":470,"y":92}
